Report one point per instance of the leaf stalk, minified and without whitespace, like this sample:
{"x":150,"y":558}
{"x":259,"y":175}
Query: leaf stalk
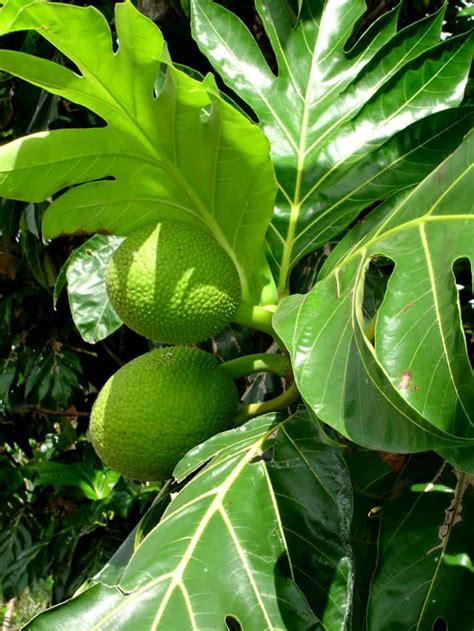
{"x":280,"y":402}
{"x":255,"y":317}
{"x":258,"y":362}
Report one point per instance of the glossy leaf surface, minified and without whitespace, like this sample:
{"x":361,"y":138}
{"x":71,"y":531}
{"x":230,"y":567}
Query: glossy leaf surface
{"x":169,"y":150}
{"x":336,"y":95}
{"x":223,"y":543}
{"x":91,"y":310}
{"x":314,"y":496}
{"x":413,"y":389}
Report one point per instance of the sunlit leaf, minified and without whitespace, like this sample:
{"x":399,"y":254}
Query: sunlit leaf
{"x":337,"y":95}
{"x":174,"y":150}
{"x":9,"y":11}
{"x":413,"y":389}
{"x":91,"y":310}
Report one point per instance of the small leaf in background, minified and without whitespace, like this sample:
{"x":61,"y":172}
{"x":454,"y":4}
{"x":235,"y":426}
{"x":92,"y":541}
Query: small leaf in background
{"x":52,"y":375}
{"x":18,"y":552}
{"x":96,"y":483}
{"x":468,"y":12}
{"x":93,"y":315}
{"x":7,"y":377}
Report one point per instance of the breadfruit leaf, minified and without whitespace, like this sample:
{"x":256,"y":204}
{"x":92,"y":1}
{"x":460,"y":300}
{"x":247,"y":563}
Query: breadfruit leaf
{"x":425,"y":549}
{"x":228,"y":547}
{"x":410,"y":389}
{"x":338,"y":87}
{"x":9,"y":12}
{"x":171,"y":149}
{"x":91,"y":310}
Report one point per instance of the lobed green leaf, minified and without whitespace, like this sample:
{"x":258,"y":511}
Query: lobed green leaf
{"x":171,"y":151}
{"x":412,"y":389}
{"x":221,"y":548}
{"x":339,"y":92}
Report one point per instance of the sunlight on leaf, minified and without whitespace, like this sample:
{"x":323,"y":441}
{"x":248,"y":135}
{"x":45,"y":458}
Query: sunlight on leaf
{"x":413,"y":390}
{"x":213,"y":171}
{"x":331,"y":103}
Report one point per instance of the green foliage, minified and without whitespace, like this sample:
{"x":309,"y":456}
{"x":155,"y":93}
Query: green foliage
{"x":429,"y":524}
{"x":84,"y":275}
{"x":339,"y":97}
{"x":63,"y":519}
{"x":401,"y":405}
{"x":243,"y":578}
{"x":151,"y":171}
{"x":327,"y":517}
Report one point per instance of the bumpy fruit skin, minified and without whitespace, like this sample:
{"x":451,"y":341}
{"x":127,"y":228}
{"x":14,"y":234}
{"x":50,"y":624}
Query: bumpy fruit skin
{"x":173,"y":283}
{"x":157,"y":407}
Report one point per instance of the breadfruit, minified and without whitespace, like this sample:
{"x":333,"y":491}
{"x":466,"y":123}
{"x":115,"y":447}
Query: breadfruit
{"x":173,"y":283}
{"x":157,"y":407}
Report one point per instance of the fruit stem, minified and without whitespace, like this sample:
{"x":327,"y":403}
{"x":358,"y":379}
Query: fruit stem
{"x":273,"y":405}
{"x":258,"y":362}
{"x":256,"y":317}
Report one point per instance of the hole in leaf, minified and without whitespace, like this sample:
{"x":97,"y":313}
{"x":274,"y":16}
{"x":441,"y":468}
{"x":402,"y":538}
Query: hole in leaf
{"x":71,"y":115}
{"x":375,"y":286}
{"x":108,"y":178}
{"x":67,"y":62}
{"x":463,"y":278}
{"x":283,"y":566}
{"x":305,"y":273}
{"x":160,"y":80}
{"x":440,"y":625}
{"x":233,"y":624}
{"x":249,"y":16}
{"x":369,"y":25}
{"x":115,"y":43}
{"x":266,"y":456}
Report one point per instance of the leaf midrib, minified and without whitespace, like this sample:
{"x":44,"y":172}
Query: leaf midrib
{"x":176,"y":575}
{"x":88,"y":75}
{"x":439,"y":318}
{"x":454,"y":513}
{"x":383,"y":123}
{"x":297,"y":202}
{"x":373,"y":178}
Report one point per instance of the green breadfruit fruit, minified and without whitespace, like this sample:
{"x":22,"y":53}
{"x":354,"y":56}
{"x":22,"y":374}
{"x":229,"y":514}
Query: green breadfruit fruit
{"x":173,"y":283}
{"x":157,"y":407}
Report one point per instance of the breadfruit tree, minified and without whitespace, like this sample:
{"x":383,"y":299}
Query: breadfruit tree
{"x":311,"y":194}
